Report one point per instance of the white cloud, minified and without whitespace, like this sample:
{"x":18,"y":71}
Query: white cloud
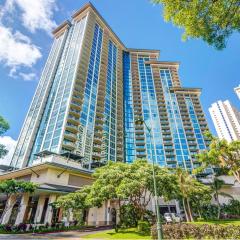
{"x":10,"y":145}
{"x":35,"y":14}
{"x":27,"y":76}
{"x":16,"y":49}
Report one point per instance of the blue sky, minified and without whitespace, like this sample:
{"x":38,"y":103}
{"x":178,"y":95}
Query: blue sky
{"x":26,"y":41}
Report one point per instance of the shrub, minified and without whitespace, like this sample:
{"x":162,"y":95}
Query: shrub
{"x":210,"y":212}
{"x":2,"y":227}
{"x":21,"y":227}
{"x":232,"y":209}
{"x":128,"y":215}
{"x":143,"y":227}
{"x":185,"y":231}
{"x":8,"y":227}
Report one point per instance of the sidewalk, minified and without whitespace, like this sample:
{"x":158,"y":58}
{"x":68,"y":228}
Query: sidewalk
{"x":71,"y":235}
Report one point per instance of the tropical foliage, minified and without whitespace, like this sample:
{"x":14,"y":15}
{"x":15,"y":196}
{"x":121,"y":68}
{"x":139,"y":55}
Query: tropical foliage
{"x":125,"y":183}
{"x":211,"y":20}
{"x":13,"y":189}
{"x":131,"y":186}
{"x":4,"y":126}
{"x":191,"y":192}
{"x":223,"y":155}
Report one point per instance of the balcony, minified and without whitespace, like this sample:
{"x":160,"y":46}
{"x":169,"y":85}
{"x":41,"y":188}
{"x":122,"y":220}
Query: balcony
{"x":69,"y":144}
{"x":171,"y":161}
{"x":140,"y":148}
{"x":78,"y":92}
{"x":98,"y":133}
{"x":73,"y":119}
{"x":97,"y":147}
{"x":169,"y":152}
{"x":119,"y":150}
{"x":99,"y":114}
{"x":167,"y":137}
{"x":98,"y":126}
{"x":140,"y":136}
{"x":71,"y":127}
{"x":165,"y":127}
{"x":99,"y":120}
{"x":75,"y":112}
{"x":140,"y":155}
{"x":75,"y":105}
{"x":97,"y":139}
{"x":97,"y":155}
{"x":70,"y":136}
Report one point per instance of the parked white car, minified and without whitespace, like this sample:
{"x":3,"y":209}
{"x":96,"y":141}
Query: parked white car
{"x":175,"y":218}
{"x":172,"y":217}
{"x":168,"y":217}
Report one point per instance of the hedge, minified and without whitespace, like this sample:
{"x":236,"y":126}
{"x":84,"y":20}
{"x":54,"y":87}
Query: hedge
{"x":185,"y":231}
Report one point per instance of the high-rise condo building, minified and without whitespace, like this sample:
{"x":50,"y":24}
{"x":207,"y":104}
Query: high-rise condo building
{"x":237,"y":91}
{"x":92,"y":90}
{"x":226,"y":119}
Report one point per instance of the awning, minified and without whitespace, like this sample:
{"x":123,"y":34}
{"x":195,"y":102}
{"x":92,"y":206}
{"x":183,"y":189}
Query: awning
{"x":56,"y":188}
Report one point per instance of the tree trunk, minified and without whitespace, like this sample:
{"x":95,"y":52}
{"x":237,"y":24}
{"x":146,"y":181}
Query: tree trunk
{"x":219,"y":206}
{"x":199,"y":213}
{"x":6,"y":209}
{"x":185,"y":209}
{"x":190,"y":211}
{"x":237,"y":176}
{"x":119,"y":210}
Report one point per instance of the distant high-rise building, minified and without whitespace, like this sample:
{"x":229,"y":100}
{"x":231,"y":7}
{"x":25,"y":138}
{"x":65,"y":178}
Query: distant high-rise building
{"x":226,"y":119}
{"x":92,"y":90}
{"x":237,"y":91}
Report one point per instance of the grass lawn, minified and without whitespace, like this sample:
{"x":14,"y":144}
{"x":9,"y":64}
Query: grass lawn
{"x":130,"y":233}
{"x":222,"y":222}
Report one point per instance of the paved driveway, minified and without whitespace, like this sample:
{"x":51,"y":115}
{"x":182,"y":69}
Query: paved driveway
{"x":59,"y":235}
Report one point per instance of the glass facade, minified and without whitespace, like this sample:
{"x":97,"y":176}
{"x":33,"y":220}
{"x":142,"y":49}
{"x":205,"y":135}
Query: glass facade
{"x":129,"y":138}
{"x":154,"y":143}
{"x":170,"y":134}
{"x":92,"y":85}
{"x":49,"y":133}
{"x":90,"y":95}
{"x":195,"y":124}
{"x":38,"y":101}
{"x":176,"y":125}
{"x":110,"y":107}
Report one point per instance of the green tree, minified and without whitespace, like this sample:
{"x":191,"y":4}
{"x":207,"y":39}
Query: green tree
{"x":14,"y":189}
{"x":222,"y":155}
{"x":4,"y":126}
{"x":211,"y":20}
{"x":74,"y":201}
{"x":137,"y":187}
{"x":127,"y":184}
{"x":216,"y":186}
{"x":200,"y":197}
{"x":107,"y":179}
{"x":190,"y":192}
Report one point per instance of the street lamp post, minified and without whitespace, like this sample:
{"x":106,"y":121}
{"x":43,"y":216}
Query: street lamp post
{"x":159,"y":226}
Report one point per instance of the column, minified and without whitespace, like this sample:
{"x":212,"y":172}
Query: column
{"x":49,"y":213}
{"x":23,"y":206}
{"x":39,"y":210}
{"x":108,"y":209}
{"x":178,"y":210}
{"x":9,"y":206}
{"x":70,"y":215}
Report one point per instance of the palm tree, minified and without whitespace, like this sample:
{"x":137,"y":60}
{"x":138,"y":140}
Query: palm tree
{"x":216,"y":186}
{"x":185,"y":183}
